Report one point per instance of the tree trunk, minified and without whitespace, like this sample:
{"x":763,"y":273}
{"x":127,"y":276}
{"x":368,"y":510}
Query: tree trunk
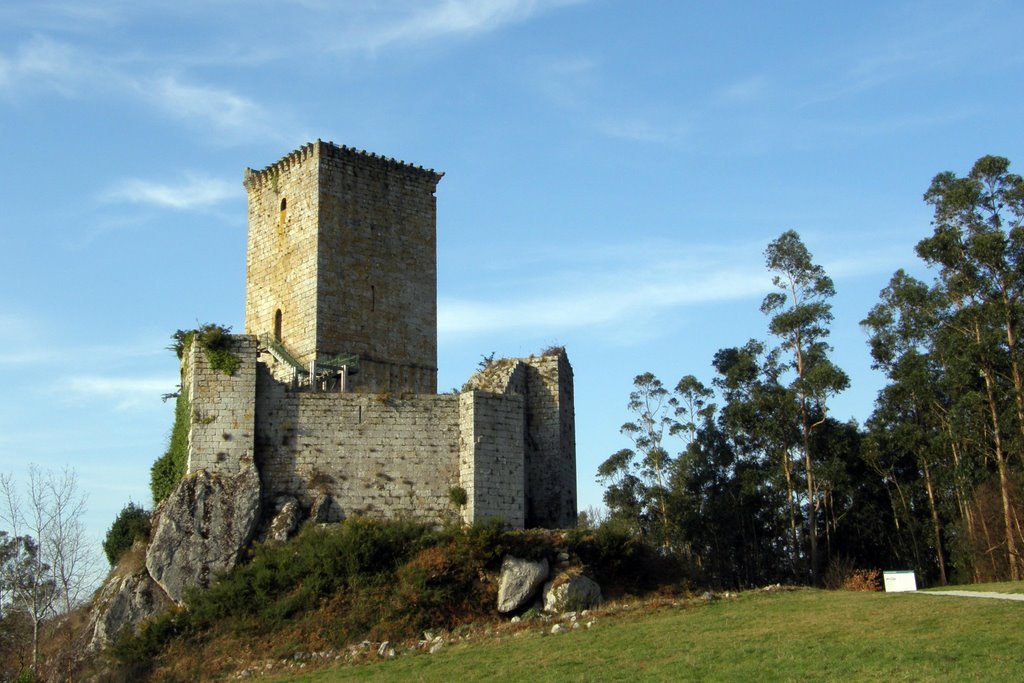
{"x":935,"y":522}
{"x":812,"y":502}
{"x":790,"y":495}
{"x":1004,"y":476}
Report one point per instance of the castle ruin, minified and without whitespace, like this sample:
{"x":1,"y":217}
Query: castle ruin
{"x":336,"y":395}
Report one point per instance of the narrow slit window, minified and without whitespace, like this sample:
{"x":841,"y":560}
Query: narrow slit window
{"x":277,"y":326}
{"x":284,"y":210}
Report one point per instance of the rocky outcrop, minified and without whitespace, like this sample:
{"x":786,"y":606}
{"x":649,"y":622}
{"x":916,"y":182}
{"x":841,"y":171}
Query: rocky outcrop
{"x":285,"y":521}
{"x":520,"y":580}
{"x":325,"y":510}
{"x":201,"y":528}
{"x":569,"y":591}
{"x":125,"y":601}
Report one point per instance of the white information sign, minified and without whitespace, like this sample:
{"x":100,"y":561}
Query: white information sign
{"x":899,"y":581}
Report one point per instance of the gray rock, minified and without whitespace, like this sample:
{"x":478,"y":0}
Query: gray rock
{"x":325,"y":510}
{"x":125,"y":601}
{"x":571,"y":592}
{"x":201,"y":528}
{"x":285,"y":521}
{"x":519,"y":582}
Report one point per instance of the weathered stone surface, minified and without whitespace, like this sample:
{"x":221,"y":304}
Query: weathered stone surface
{"x":519,"y":582}
{"x":124,"y":602}
{"x":571,"y":592}
{"x":200,"y":529}
{"x":285,"y":521}
{"x":325,"y":510}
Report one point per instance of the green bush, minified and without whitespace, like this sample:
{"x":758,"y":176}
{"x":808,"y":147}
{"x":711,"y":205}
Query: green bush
{"x":131,"y":524}
{"x":169,"y":469}
{"x":216,"y":342}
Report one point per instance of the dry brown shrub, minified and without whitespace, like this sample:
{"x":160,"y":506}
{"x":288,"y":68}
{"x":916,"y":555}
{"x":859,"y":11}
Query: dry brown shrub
{"x":843,"y":575}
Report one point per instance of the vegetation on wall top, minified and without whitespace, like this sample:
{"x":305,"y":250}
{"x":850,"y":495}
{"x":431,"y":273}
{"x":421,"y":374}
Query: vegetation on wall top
{"x":216,"y":343}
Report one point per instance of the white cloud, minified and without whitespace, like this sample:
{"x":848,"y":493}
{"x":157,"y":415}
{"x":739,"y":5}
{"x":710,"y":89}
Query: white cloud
{"x":192,"y":192}
{"x":126,"y":393}
{"x":450,"y":18}
{"x":42,"y":63}
{"x":745,"y":90}
{"x":641,"y":130}
{"x":614,"y":288}
{"x":619,"y":296}
{"x":204,"y":105}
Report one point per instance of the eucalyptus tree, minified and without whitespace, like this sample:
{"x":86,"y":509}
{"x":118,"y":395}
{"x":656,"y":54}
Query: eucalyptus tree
{"x":902,"y":329}
{"x":760,"y":419}
{"x":978,"y":247}
{"x":800,"y":316}
{"x":637,"y":478}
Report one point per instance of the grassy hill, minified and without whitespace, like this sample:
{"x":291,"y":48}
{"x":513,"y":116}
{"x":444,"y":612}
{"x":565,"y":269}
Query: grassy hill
{"x":333,"y":594}
{"x":755,"y":636}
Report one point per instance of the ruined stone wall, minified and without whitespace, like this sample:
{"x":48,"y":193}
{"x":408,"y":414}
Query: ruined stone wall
{"x":491,"y":456}
{"x":378,"y":268}
{"x":550,"y":443}
{"x":377,"y":455}
{"x":281,"y":257}
{"x":221,"y":437}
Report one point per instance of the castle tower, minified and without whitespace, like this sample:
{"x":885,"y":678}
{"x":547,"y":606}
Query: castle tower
{"x":342,"y":261}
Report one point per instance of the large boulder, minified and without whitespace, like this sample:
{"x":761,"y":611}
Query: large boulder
{"x":325,"y":510}
{"x":519,"y":582}
{"x":286,"y":520}
{"x":201,"y":529}
{"x":124,"y":602}
{"x":570,"y":592}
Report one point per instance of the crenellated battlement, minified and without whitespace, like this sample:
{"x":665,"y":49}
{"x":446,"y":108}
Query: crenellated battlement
{"x":255,"y":178}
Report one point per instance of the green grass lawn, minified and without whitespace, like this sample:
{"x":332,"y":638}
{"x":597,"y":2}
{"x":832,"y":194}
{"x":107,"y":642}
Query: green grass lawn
{"x":803,"y":635}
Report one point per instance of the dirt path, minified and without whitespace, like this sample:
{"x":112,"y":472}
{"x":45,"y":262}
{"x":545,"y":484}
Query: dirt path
{"x":977,"y":594}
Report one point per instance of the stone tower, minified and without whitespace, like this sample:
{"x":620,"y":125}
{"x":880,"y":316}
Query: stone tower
{"x":342,"y":261}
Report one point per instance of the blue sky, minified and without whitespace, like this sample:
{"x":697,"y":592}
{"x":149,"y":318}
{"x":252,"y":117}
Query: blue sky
{"x":614,"y":171}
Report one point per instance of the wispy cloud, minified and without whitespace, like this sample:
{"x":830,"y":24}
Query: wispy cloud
{"x":63,"y":15}
{"x":124,"y":393}
{"x":744,"y":90}
{"x":643,"y":130}
{"x":606,"y":293}
{"x":28,"y":344}
{"x":204,"y":105}
{"x":448,"y":18}
{"x":42,"y":64}
{"x":595,"y":290}
{"x":192,"y":192}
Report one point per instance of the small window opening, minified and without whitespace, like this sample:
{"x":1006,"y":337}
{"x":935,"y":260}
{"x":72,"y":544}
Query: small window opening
{"x":284,"y":210}
{"x":277,"y":326}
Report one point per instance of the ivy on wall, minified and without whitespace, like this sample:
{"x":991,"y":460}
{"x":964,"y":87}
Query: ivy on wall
{"x":169,"y":469}
{"x":215,"y":340}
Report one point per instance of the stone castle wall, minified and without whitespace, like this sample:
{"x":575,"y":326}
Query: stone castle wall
{"x":342,"y":261}
{"x":378,"y":263}
{"x":343,"y":244}
{"x":509,"y":446}
{"x":491,"y":456}
{"x":221,"y":437}
{"x":374,"y":454}
{"x":550,"y":442}
{"x":281,"y":257}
